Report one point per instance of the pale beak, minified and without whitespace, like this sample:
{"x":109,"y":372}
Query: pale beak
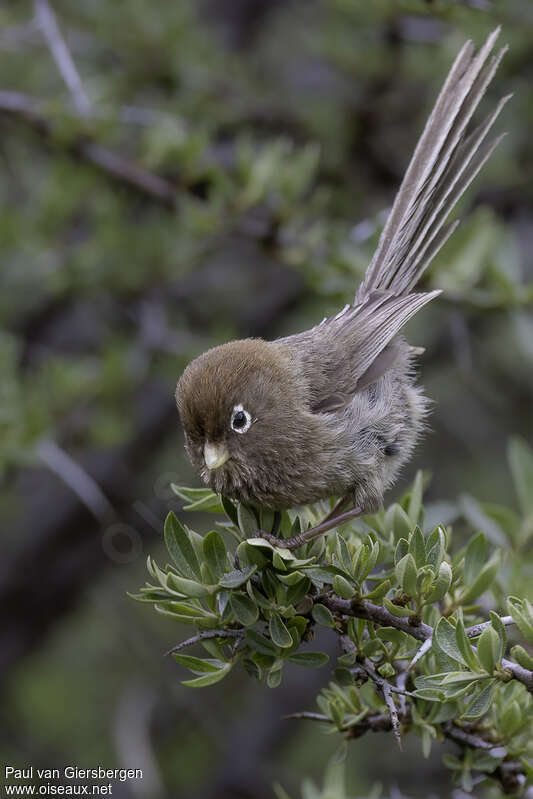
{"x":215,"y":455}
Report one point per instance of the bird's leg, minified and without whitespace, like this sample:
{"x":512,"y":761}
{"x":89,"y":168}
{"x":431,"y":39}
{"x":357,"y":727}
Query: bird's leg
{"x":333,"y":519}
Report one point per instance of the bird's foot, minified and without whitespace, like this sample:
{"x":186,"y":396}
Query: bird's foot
{"x":328,"y":524}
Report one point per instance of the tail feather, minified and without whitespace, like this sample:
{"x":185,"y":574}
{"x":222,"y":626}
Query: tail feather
{"x":445,"y":162}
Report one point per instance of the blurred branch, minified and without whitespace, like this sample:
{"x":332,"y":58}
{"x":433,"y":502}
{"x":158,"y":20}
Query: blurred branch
{"x":46,"y":19}
{"x":72,"y":474}
{"x":132,"y":739}
{"x":29,"y":110}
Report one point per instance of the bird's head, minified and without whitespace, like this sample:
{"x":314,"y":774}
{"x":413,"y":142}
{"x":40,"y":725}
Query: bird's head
{"x":238,"y":404}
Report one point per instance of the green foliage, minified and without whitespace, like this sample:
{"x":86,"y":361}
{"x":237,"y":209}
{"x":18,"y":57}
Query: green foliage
{"x":382,"y":585}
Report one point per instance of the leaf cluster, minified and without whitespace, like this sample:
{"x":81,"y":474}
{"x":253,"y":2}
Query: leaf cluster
{"x":418,"y":650}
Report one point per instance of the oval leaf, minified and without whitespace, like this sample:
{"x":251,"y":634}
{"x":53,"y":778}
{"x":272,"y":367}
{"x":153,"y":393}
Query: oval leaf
{"x":180,"y":548}
{"x":215,"y":553}
{"x":237,"y":577}
{"x":322,"y":615}
{"x":244,"y":608}
{"x":208,"y":679}
{"x":278,"y":632}
{"x":311,"y":660}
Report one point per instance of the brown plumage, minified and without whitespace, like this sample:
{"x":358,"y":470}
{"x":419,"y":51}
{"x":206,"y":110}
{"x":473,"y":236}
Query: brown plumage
{"x":334,"y":411}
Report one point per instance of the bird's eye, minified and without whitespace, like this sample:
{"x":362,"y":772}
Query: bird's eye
{"x":241,"y":421}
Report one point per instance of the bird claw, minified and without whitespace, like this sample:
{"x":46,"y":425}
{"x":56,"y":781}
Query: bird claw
{"x":299,"y":540}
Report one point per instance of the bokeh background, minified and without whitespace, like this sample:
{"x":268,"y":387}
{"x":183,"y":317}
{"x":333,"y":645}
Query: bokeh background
{"x":220,"y":168}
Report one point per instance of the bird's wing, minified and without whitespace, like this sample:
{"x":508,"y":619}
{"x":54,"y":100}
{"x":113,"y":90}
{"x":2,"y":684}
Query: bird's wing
{"x":444,"y":163}
{"x":352,"y":349}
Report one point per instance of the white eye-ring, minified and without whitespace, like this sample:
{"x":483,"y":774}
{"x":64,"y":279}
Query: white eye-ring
{"x":241,"y":421}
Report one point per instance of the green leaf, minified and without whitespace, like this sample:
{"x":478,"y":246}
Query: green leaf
{"x":521,"y":617}
{"x":293,"y":578}
{"x":520,"y":458}
{"x":435,"y":547}
{"x":417,"y":547}
{"x":209,"y":504}
{"x":377,"y":593}
{"x":484,"y":580}
{"x":488,"y":649}
{"x":511,"y":719}
{"x":230,"y":510}
{"x":391,"y":634}
{"x":215,"y":553}
{"x":208,"y":679}
{"x":180,"y":548}
{"x":251,"y":555}
{"x":247,"y":521}
{"x":342,"y":587}
{"x":191,"y":609}
{"x":446,"y":639}
{"x":198,"y":665}
{"x":499,"y":626}
{"x":204,"y":619}
{"x":475,"y":556}
{"x":260,"y":643}
{"x":465,"y":647}
{"x":371,"y":560}
{"x":237,"y":577}
{"x":278,"y":632}
{"x":198,"y":499}
{"x":481,"y":702}
{"x":402,"y":548}
{"x":397,"y":610}
{"x":274,"y":674}
{"x":522,"y":657}
{"x":311,"y":660}
{"x":189,"y":587}
{"x":441,"y":585}
{"x":398,"y":522}
{"x":406,"y":574}
{"x":244,"y":608}
{"x":322,"y":615}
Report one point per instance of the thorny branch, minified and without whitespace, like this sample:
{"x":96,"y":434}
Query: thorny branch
{"x":421,"y":631}
{"x":204,"y":636}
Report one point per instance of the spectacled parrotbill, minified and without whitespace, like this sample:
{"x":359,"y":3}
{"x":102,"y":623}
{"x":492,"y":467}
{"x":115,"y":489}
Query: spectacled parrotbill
{"x":335,"y":411}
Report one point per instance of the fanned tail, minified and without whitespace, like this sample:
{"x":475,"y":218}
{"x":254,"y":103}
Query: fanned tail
{"x":445,"y":162}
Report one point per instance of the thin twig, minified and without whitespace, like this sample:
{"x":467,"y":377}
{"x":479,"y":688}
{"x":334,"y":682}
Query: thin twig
{"x":376,"y":613}
{"x":461,"y":736}
{"x":426,"y":646}
{"x":204,"y":636}
{"x":47,"y":21}
{"x":477,"y":629}
{"x":421,"y":631}
{"x":386,"y":690}
{"x":379,"y":722}
{"x":401,"y":683}
{"x":306,"y":715}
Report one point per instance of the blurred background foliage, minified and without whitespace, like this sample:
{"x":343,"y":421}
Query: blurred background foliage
{"x":226,"y":172}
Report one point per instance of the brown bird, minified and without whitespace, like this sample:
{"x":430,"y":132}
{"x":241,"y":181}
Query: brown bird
{"x":335,"y":411}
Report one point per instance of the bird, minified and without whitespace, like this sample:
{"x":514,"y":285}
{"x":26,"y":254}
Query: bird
{"x":335,"y":412}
